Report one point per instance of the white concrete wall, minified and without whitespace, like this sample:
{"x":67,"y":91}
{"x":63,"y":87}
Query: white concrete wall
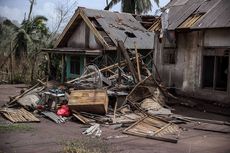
{"x":217,"y":37}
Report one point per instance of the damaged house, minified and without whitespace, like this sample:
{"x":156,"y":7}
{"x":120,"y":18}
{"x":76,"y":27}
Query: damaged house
{"x":91,"y":36}
{"x":192,"y":51}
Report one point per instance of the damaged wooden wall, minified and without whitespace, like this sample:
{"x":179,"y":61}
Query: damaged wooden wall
{"x":186,"y":74}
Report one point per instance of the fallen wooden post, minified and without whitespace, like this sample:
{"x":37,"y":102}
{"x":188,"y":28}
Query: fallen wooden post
{"x":19,"y":96}
{"x":138,"y":64}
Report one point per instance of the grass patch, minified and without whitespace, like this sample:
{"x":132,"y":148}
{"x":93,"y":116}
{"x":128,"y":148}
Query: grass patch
{"x":15,"y":127}
{"x":86,"y":145}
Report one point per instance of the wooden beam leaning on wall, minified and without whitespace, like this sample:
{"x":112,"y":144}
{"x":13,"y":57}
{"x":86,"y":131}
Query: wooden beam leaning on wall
{"x":122,"y":48}
{"x":137,"y":61}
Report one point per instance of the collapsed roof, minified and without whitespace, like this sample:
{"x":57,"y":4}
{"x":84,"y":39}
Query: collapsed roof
{"x":109,"y":27}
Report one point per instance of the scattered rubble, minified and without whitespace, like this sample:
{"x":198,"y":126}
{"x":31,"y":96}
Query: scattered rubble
{"x":122,"y":95}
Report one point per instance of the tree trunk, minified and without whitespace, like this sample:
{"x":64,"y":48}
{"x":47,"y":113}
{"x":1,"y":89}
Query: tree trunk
{"x":31,"y":8}
{"x":33,"y":63}
{"x":128,"y":6}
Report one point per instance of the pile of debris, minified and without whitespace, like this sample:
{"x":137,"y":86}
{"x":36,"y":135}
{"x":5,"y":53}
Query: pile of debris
{"x":128,"y":97}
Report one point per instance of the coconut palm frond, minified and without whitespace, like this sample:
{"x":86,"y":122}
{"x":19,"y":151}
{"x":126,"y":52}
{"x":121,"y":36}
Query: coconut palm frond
{"x":39,"y":18}
{"x":143,"y":6}
{"x":157,"y":2}
{"x":111,"y":4}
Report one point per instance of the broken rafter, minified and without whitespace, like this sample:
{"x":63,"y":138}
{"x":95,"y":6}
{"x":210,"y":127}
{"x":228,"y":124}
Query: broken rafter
{"x":130,"y":65}
{"x":137,"y":61}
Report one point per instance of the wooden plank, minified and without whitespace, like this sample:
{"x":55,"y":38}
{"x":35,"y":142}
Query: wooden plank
{"x":126,"y":55}
{"x":228,"y":81}
{"x":21,"y":95}
{"x":82,"y":118}
{"x":137,"y":61}
{"x":142,"y":129}
{"x":18,"y":115}
{"x":119,"y":66}
{"x":62,"y":68}
{"x":93,"y":101}
{"x":114,"y":113}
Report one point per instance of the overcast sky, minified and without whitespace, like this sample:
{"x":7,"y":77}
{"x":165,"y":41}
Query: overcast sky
{"x":16,"y":9}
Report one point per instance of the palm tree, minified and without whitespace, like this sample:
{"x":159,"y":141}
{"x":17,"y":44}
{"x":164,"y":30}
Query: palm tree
{"x":30,"y":31}
{"x":133,"y":6}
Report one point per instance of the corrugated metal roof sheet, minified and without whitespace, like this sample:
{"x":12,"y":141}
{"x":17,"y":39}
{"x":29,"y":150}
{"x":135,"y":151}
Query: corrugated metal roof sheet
{"x":189,"y":22}
{"x":116,"y":25}
{"x":178,"y":14}
{"x":184,"y":15}
{"x":217,"y":17}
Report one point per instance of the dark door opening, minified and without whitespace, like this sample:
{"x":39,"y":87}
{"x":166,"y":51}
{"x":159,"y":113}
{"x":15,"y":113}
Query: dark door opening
{"x":215,"y":72}
{"x":75,"y":65}
{"x":208,"y":71}
{"x":221,"y":72}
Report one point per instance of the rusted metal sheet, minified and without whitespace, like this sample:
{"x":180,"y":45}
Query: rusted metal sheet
{"x":91,"y":101}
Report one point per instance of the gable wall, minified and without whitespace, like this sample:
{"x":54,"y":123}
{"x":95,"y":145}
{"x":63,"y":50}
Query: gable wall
{"x":83,"y":37}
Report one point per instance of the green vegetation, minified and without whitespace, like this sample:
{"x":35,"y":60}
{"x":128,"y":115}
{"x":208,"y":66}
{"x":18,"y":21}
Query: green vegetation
{"x":21,"y":47}
{"x":21,"y":56}
{"x":86,"y":145}
{"x":15,"y":127}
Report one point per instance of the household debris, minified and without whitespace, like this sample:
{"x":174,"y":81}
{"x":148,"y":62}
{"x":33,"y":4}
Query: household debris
{"x":154,"y":128}
{"x":92,"y":101}
{"x":18,"y":115}
{"x":54,"y":117}
{"x":94,"y":129}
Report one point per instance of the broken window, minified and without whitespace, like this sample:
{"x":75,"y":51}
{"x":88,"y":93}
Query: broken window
{"x":130,"y":34}
{"x":215,"y":72}
{"x":75,"y":65}
{"x":169,"y":56}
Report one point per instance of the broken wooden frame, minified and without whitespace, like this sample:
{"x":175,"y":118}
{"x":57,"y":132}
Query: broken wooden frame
{"x":154,"y":128}
{"x":123,"y":63}
{"x":18,"y":115}
{"x":145,"y":89}
{"x":24,"y":93}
